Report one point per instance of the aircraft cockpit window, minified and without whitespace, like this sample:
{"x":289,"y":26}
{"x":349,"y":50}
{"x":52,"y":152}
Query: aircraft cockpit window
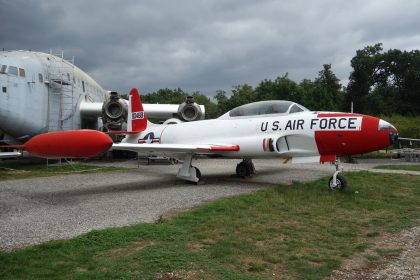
{"x":83,"y":86}
{"x":40,"y":78}
{"x":13,"y":70}
{"x":3,"y":69}
{"x":295,"y":109}
{"x":262,"y":108}
{"x":22,"y":72}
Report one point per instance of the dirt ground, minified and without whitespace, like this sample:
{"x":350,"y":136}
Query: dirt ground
{"x":400,"y":259}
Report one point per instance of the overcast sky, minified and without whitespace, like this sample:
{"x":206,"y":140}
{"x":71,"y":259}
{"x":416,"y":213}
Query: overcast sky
{"x":207,"y":45}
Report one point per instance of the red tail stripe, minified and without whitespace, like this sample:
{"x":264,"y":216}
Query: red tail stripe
{"x":137,"y":124}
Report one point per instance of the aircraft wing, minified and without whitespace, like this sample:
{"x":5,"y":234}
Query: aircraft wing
{"x":176,"y":148}
{"x":9,"y":154}
{"x":408,"y":139}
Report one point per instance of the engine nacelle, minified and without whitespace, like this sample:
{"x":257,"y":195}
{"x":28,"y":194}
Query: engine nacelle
{"x":172,"y":121}
{"x":190,"y":111}
{"x":114,"y":112}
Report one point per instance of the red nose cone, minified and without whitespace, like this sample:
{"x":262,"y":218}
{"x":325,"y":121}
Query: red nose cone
{"x":69,"y":144}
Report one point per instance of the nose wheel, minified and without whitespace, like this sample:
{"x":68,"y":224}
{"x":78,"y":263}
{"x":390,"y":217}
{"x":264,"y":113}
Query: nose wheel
{"x":340,"y":183}
{"x":337,"y":182}
{"x":245,"y":168}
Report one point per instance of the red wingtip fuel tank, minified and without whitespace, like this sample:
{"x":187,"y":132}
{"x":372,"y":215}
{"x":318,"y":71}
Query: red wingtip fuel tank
{"x":69,"y":144}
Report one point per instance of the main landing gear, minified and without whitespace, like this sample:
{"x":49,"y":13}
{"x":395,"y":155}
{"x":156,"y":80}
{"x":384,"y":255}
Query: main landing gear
{"x":245,"y":168}
{"x":188,"y":172}
{"x":337,"y":182}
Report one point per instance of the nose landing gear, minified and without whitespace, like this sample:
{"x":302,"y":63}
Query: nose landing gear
{"x":337,"y":182}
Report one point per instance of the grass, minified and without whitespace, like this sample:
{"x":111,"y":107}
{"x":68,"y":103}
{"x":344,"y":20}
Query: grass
{"x":292,"y":232}
{"x":399,"y":167}
{"x":377,"y":154}
{"x":21,"y":169}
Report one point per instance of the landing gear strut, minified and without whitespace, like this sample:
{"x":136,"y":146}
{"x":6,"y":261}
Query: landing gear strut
{"x":337,"y":182}
{"x":188,"y":172}
{"x":245,"y":168}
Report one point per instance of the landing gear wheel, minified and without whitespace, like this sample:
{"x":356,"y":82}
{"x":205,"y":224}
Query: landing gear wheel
{"x":197,"y":173}
{"x":245,"y":168}
{"x":341,"y":184}
{"x":242,"y":170}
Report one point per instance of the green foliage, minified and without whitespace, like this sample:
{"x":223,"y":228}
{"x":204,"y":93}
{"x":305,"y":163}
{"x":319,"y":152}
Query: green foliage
{"x":211,"y":108}
{"x":399,"y":167}
{"x":408,"y":126}
{"x":385,"y":82}
{"x":167,"y":96}
{"x":282,"y":88}
{"x":325,"y":93}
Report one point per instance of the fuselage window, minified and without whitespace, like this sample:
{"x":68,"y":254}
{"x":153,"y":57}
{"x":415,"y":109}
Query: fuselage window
{"x":12,"y":71}
{"x":83,"y":86}
{"x":3,"y":69}
{"x":21,"y":72}
{"x":40,"y":78}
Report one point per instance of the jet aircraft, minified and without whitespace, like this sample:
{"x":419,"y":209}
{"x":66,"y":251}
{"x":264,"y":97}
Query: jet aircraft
{"x":266,"y":129}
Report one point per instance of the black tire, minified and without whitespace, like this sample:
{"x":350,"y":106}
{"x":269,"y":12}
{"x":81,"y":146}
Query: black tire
{"x":341,"y":184}
{"x":242,"y":170}
{"x":197,"y":173}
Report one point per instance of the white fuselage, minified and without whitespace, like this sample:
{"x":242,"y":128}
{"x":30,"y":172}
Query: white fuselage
{"x":250,"y":134}
{"x":41,"y":92}
{"x":301,"y":136}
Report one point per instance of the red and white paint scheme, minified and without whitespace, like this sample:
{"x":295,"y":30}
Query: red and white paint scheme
{"x":281,"y":129}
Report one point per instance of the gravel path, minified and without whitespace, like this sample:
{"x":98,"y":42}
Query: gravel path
{"x":36,"y":210}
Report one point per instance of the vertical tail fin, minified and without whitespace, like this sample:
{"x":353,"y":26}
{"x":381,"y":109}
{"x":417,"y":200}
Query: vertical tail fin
{"x":137,"y":119}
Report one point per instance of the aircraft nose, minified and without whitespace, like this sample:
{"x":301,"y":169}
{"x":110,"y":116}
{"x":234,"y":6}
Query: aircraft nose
{"x":392,"y":131}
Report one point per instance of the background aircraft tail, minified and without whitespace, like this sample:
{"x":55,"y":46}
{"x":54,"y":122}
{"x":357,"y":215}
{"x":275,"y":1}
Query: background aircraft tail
{"x":137,"y":119}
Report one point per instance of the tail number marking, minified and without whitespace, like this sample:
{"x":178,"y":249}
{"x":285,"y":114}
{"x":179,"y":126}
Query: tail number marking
{"x":137,"y":115}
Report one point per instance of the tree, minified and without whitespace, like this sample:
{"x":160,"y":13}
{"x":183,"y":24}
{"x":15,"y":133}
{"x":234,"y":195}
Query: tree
{"x":211,"y":108}
{"x":168,"y":96}
{"x":362,"y":77}
{"x":385,"y":82}
{"x":222,"y":102}
{"x":241,"y":94}
{"x":328,"y":90}
{"x":282,"y":88}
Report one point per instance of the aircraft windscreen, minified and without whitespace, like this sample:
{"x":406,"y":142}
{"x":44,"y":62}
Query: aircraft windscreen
{"x":263,"y":108}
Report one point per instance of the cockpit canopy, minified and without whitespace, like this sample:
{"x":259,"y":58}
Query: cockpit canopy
{"x":269,"y":107}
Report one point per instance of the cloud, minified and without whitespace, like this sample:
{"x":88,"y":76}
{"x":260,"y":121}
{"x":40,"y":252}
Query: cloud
{"x":207,"y":45}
